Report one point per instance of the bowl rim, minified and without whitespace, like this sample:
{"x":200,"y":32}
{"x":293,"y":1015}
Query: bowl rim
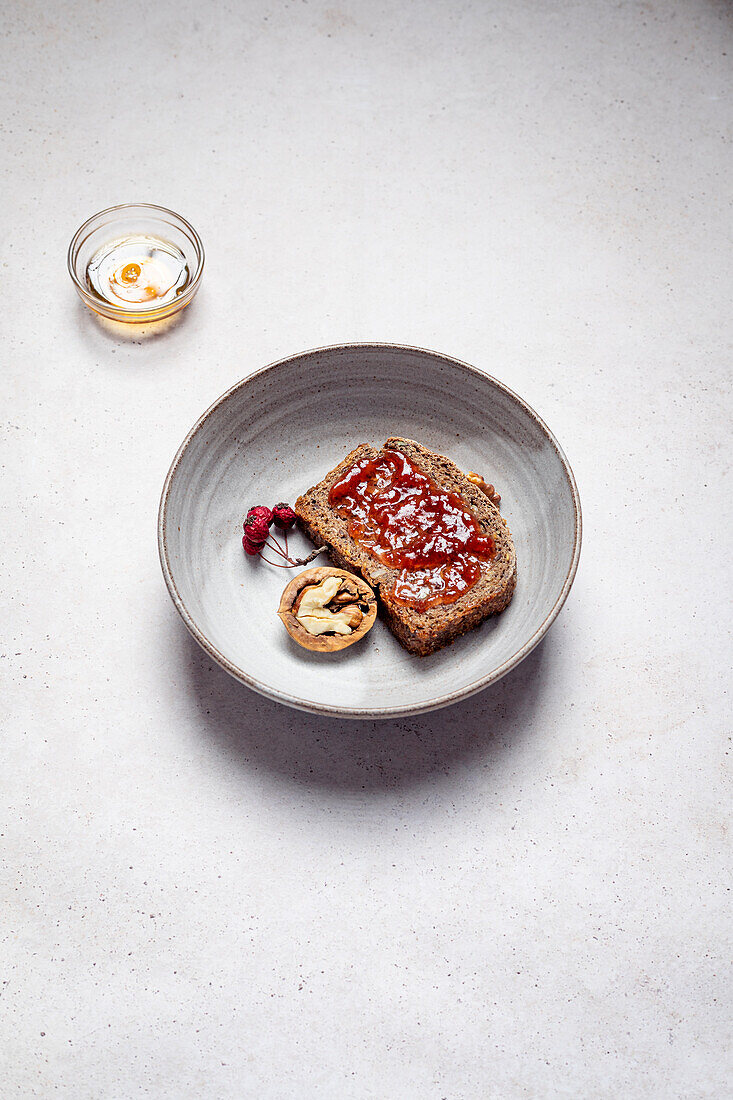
{"x":374,"y":713}
{"x":119,"y":313}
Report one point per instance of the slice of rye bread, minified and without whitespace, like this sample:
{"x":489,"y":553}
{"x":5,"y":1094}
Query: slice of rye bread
{"x":420,"y":632}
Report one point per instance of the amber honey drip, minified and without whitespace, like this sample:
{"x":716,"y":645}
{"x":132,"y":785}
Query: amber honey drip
{"x":138,"y":273}
{"x":407,"y":522}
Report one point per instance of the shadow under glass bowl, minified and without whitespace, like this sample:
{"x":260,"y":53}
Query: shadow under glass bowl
{"x":132,"y":219}
{"x":278,"y":432}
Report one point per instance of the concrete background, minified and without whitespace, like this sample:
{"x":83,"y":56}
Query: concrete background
{"x":203,"y":894}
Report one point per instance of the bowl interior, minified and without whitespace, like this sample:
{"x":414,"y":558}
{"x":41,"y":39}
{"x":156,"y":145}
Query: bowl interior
{"x":278,"y":433}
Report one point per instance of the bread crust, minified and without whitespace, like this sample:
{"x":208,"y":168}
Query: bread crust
{"x":420,"y":632}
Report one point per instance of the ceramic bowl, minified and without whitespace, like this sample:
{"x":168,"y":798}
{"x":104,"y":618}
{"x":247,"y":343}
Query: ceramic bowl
{"x":278,"y":432}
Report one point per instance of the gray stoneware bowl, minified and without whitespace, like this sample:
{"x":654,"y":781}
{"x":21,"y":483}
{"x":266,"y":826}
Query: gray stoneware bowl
{"x":277,"y":433}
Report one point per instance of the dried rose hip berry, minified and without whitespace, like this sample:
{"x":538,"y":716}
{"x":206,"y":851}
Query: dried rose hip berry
{"x":256,"y":530}
{"x":260,"y":512}
{"x":283,"y":516}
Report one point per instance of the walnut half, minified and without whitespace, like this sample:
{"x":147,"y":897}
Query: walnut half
{"x":327,"y":609}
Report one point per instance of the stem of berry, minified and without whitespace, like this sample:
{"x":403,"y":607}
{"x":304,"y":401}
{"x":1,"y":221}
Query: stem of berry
{"x":277,"y":564}
{"x":274,"y":545}
{"x":290,"y":563}
{"x":313,"y":554}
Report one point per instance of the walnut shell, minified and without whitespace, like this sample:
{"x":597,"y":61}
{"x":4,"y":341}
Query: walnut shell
{"x":326,"y":643}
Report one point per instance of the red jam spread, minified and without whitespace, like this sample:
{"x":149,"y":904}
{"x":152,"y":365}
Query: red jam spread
{"x":407,"y":522}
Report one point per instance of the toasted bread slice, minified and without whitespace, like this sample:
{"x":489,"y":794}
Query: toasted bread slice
{"x":420,"y":632}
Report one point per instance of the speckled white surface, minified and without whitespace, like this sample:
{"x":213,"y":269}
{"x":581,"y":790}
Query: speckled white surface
{"x":204,"y":894}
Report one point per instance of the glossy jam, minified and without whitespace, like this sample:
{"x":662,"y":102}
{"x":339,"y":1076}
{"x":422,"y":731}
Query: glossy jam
{"x":408,"y":523}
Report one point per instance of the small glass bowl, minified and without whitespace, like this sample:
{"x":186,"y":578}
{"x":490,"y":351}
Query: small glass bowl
{"x":127,"y":220}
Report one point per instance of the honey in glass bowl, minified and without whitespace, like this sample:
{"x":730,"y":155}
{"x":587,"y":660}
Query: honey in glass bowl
{"x":136,"y":263}
{"x":138,"y":272}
